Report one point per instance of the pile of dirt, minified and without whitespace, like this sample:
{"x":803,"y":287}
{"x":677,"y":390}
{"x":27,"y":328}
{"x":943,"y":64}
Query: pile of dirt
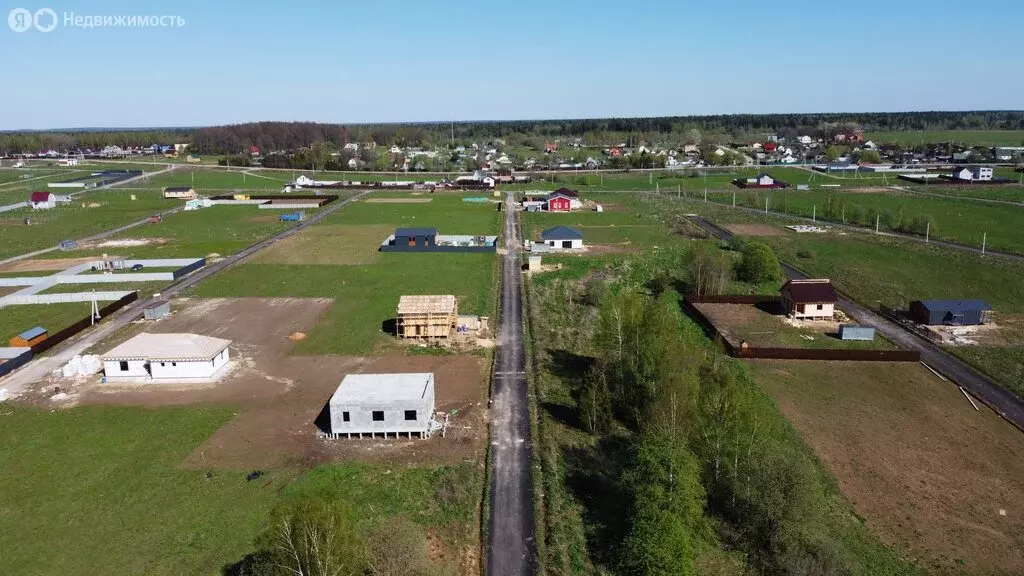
{"x":296,"y":336}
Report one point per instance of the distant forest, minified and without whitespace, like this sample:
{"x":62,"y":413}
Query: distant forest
{"x":271,"y":136}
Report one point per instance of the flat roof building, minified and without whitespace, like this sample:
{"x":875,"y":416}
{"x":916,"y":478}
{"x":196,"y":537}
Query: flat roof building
{"x":166,"y":357}
{"x":372,"y":404}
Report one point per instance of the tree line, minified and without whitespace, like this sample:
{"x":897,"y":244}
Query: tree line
{"x":698,"y":455}
{"x":270,"y":136}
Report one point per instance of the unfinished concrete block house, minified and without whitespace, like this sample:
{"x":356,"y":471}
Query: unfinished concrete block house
{"x":383,"y":404}
{"x":426,"y":317}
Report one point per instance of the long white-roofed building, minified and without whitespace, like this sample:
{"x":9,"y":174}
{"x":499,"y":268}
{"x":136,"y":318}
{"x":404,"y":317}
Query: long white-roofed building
{"x":166,"y":357}
{"x":388,"y":404}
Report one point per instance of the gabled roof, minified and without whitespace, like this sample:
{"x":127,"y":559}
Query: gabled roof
{"x":954,"y":306}
{"x":763,"y":174}
{"x":168,"y":347}
{"x":32,"y":333}
{"x":812,"y":291}
{"x":41,"y":196}
{"x":416,"y":232}
{"x":565,"y":192}
{"x":426,"y":304}
{"x":561,"y":233}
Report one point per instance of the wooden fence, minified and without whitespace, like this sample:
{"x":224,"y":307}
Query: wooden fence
{"x":84,"y":323}
{"x":747,"y":351}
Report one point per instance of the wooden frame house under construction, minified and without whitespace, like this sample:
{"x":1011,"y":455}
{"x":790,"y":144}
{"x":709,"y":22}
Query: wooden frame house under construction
{"x":426,"y":317}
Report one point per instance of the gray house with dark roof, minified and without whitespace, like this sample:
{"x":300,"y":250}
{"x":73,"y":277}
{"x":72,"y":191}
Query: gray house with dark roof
{"x":951,"y":312}
{"x":428,"y":240}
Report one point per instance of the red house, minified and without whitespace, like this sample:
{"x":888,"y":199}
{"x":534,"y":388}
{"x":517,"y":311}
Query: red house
{"x":559,"y":204}
{"x":254,"y":150}
{"x":770,"y":146}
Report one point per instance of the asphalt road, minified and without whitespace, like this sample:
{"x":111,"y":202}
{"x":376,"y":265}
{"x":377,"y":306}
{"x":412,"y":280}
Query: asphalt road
{"x":16,"y":382}
{"x":1002,"y":401}
{"x":511,"y":549}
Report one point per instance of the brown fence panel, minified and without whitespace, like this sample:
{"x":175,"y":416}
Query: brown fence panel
{"x":830,"y":354}
{"x":82,"y":324}
{"x":733,"y":299}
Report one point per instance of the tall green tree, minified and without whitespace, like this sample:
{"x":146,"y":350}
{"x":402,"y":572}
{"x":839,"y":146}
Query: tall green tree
{"x":759,"y":265}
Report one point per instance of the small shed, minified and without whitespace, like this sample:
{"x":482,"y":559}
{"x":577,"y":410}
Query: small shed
{"x":563,"y":237}
{"x":950,"y":312}
{"x":856,"y":332}
{"x":372,"y":404}
{"x":533,"y":263}
{"x":426,"y":316}
{"x":157,"y":310}
{"x":28,"y":338}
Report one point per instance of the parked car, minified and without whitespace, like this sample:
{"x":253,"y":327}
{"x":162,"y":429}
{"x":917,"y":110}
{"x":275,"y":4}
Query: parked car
{"x":136,"y":267}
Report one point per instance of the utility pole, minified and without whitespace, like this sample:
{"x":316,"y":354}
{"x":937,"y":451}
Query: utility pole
{"x":705,"y":195}
{"x":877,"y":220}
{"x":984,"y":239}
{"x":814,"y":213}
{"x":766,"y":205}
{"x":734,"y":199}
{"x":927,"y":231}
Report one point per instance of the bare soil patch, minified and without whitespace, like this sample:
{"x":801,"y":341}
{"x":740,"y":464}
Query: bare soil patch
{"x":397,"y":200}
{"x":280,"y":397}
{"x":329,"y":245}
{"x":930,"y":474}
{"x":756,"y":229}
{"x":45,"y":265}
{"x":623,"y":248}
{"x":264,"y":218}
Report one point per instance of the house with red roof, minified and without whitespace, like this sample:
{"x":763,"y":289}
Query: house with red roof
{"x":43,"y":200}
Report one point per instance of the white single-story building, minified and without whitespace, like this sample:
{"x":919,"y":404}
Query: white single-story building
{"x":166,"y":357}
{"x":562,"y":237}
{"x":975,"y":173}
{"x":383,"y":404}
{"x":182,"y":192}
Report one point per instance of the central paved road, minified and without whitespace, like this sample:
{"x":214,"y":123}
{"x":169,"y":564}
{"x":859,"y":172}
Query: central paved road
{"x":1004,"y":402}
{"x":511,"y":546}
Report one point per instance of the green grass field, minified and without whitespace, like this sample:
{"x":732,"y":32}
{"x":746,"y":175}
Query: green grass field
{"x":73,"y":221}
{"x":955,"y":220}
{"x":216,"y":180}
{"x":54,"y":317}
{"x":1004,"y":193}
{"x":96,"y":490}
{"x":963,"y":137}
{"x":343,"y":263}
{"x":222,"y":230}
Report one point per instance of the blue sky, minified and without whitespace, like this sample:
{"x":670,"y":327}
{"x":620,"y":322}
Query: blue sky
{"x":391,"y":60}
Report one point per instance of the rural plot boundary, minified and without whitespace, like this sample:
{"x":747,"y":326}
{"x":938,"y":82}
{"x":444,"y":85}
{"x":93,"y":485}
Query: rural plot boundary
{"x":744,"y":350}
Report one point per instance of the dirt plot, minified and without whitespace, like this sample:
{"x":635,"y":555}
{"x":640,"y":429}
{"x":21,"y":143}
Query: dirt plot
{"x":928,"y":473}
{"x":48,"y":265}
{"x":756,"y":229}
{"x":280,"y":398}
{"x":329,"y":245}
{"x":397,"y":200}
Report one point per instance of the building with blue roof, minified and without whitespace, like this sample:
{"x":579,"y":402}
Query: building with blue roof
{"x":950,"y":312}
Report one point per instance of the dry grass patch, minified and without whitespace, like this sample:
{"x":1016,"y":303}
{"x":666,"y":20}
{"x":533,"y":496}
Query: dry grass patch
{"x":928,"y":472}
{"x":329,"y":245}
